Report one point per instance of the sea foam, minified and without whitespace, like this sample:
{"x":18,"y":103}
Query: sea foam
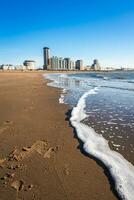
{"x":61,"y":99}
{"x":62,"y":96}
{"x":94,"y":144}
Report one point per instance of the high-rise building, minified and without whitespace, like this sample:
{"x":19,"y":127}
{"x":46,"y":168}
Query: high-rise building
{"x":79,"y":65}
{"x":46,"y":53}
{"x":96,"y":65}
{"x":64,"y":64}
{"x":72,"y":65}
{"x":67,"y":64}
{"x":60,"y":67}
{"x":54,"y":63}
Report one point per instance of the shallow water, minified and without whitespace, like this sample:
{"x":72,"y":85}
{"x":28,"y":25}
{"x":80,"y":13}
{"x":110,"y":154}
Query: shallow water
{"x":110,"y":112}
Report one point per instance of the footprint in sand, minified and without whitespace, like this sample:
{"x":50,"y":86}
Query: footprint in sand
{"x":40,"y":147}
{"x":17,"y":185}
{"x":6,"y":124}
{"x":66,"y":170}
{"x":7,"y":178}
{"x":2,"y":162}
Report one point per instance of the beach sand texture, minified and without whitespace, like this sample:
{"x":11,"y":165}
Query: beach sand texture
{"x":40,"y":157}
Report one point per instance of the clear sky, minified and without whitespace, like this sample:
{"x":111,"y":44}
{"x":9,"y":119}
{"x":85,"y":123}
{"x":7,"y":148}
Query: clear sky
{"x":80,"y":29}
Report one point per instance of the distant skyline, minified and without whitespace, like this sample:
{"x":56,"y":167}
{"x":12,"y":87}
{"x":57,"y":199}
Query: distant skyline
{"x":87,"y":29}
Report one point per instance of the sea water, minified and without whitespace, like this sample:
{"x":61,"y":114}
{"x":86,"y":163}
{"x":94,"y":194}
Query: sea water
{"x":103,"y":116}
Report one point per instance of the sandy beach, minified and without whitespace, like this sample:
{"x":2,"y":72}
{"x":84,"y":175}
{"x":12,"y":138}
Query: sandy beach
{"x":40,"y":156}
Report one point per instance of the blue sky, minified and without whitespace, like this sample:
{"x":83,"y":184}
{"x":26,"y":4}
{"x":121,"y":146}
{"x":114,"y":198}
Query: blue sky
{"x":85,"y":29}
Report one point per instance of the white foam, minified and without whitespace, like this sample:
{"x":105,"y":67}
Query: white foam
{"x":62,"y":96}
{"x":116,"y":145}
{"x":111,"y":123}
{"x":63,"y":75}
{"x":121,"y":170}
{"x":119,"y":136}
{"x":64,"y":91}
{"x":61,"y":99}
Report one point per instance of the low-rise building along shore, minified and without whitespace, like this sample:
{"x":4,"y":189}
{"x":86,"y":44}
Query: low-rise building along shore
{"x":7,"y":67}
{"x":27,"y":65}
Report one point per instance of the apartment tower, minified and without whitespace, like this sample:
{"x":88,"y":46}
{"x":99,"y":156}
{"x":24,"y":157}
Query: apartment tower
{"x":46,"y":54}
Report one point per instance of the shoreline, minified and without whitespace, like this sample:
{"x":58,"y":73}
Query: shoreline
{"x":65,"y":71}
{"x":31,"y":116}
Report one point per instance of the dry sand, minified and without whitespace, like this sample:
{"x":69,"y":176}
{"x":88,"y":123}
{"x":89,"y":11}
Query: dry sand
{"x":40,"y":157}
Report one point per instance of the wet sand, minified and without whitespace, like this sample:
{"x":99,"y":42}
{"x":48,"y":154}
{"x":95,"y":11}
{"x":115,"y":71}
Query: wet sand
{"x":40,"y":157}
